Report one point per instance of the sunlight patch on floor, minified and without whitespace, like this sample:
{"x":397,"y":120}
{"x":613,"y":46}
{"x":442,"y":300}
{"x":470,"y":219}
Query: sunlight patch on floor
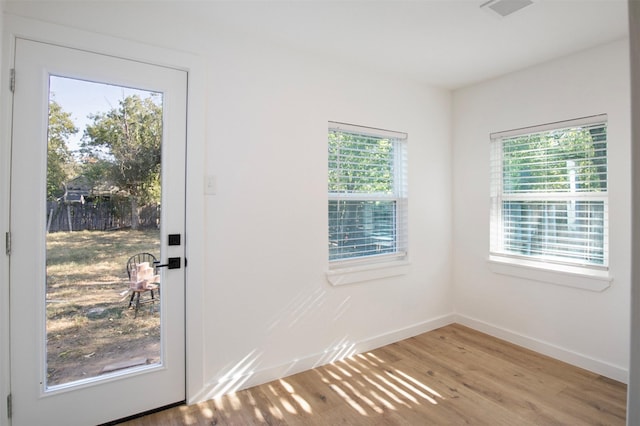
{"x":420,"y":384}
{"x":412,"y":388}
{"x":364,"y":398}
{"x":397,"y":389}
{"x":235,"y":377}
{"x":275,"y":412}
{"x":287,"y":406}
{"x":349,"y":400}
{"x":367,"y":383}
{"x":300,"y":400}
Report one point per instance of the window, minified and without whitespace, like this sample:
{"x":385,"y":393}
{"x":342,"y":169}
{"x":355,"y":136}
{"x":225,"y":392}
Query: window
{"x":367,"y":194}
{"x":549,"y":198}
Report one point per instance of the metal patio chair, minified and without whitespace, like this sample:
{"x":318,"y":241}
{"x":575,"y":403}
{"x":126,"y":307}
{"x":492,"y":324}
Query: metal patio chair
{"x":139,"y":288}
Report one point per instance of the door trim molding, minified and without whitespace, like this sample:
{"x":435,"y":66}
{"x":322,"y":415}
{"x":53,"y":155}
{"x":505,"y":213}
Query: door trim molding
{"x":20,"y":27}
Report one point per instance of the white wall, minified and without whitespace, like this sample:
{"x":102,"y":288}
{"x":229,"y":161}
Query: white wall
{"x":268,"y":309}
{"x":633,"y":390}
{"x":587,"y":328}
{"x":267,"y":226}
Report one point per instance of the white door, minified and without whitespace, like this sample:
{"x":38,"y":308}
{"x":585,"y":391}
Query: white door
{"x":82,"y":204}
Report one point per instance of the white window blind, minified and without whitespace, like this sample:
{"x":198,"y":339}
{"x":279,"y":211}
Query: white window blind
{"x":367,"y":193}
{"x":549,"y":197}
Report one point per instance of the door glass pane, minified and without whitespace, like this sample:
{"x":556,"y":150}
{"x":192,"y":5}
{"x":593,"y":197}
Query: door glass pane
{"x":103,"y":208}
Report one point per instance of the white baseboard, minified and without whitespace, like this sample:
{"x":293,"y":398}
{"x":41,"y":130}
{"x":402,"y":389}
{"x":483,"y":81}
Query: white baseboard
{"x":574,"y":358}
{"x":246,"y":379}
{"x":221,"y":386}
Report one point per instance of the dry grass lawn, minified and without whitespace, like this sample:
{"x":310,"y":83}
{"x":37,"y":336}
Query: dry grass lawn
{"x":89,"y":325}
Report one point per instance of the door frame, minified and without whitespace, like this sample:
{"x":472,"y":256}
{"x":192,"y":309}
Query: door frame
{"x":19,"y":27}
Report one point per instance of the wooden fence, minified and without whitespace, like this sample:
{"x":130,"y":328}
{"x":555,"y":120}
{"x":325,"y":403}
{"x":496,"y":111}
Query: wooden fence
{"x":100,"y":216}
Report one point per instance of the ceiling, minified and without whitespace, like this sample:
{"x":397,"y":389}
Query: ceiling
{"x":446,"y":43}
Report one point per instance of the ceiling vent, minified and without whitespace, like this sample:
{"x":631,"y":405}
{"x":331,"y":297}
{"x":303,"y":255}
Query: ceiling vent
{"x":505,"y":7}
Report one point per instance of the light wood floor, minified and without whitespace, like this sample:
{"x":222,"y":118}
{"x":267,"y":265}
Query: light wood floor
{"x":450,"y":376}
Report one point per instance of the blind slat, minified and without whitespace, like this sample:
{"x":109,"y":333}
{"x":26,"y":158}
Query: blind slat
{"x":578,"y":122}
{"x":367,"y":193}
{"x":549,"y":192}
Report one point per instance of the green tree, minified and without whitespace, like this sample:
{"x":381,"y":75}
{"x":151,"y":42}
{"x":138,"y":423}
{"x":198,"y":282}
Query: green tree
{"x":542,"y":174}
{"x":61,"y":165}
{"x":97,"y":170}
{"x":546,"y":162}
{"x":124,"y":145}
{"x":362,"y":165}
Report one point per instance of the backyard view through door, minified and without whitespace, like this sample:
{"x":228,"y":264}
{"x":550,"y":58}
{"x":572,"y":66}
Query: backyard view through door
{"x":103,"y":208}
{"x":97,"y":278}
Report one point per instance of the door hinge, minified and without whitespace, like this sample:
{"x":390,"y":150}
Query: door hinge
{"x":9,"y":406}
{"x":12,"y":80}
{"x":7,"y":242}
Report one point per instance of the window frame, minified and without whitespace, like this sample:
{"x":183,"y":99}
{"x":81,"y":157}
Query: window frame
{"x":557,"y":271}
{"x":371,"y":266}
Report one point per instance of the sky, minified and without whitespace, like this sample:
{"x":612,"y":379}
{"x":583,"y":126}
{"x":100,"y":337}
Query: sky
{"x":81,"y":98}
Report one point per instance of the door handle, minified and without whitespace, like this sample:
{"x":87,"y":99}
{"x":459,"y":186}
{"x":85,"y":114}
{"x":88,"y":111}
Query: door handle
{"x":172,"y":263}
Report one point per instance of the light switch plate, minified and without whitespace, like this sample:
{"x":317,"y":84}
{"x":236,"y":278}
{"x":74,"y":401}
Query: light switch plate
{"x":210,"y":185}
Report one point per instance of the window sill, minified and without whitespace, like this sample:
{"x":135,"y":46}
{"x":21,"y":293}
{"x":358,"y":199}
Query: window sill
{"x":568,"y":276}
{"x":361,"y":273}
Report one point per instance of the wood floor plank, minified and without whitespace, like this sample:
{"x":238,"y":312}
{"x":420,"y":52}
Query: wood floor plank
{"x":455,"y":392}
{"x":534,"y":394}
{"x":519,"y":355}
{"x":450,"y":376}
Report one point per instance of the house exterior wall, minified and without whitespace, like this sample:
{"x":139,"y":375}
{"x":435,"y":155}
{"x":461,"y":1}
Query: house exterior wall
{"x":587,"y":328}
